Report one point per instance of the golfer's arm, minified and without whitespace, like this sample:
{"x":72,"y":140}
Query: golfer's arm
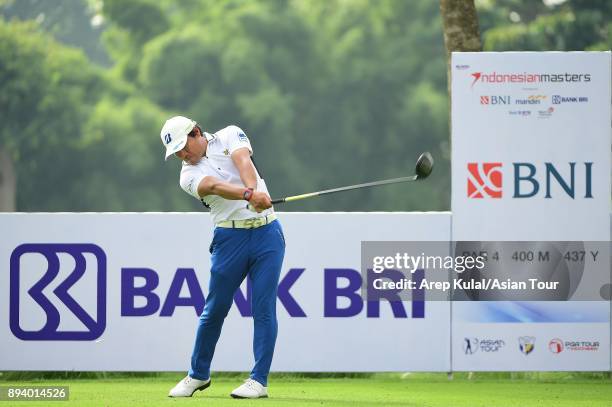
{"x":242,"y":161}
{"x":214,"y":186}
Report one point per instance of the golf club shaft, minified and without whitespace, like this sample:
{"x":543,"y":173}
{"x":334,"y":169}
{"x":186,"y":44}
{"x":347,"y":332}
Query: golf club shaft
{"x":347,"y":188}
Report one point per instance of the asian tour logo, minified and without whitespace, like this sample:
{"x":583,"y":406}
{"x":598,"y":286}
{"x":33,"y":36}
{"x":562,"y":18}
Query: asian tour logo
{"x":28,"y":261}
{"x":484,"y":180}
{"x":470,"y":345}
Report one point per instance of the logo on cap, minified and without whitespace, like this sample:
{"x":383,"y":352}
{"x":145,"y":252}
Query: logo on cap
{"x":25,"y":264}
{"x":167,"y":138}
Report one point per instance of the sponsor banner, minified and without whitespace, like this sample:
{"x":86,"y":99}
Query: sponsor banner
{"x":531,"y":329}
{"x":531,"y":161}
{"x":531,"y":146}
{"x":124,"y":292}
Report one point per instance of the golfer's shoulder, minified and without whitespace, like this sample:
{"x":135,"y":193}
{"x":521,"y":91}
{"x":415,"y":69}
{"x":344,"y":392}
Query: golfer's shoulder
{"x":192,"y":170}
{"x":190,"y":177}
{"x":229,"y":133}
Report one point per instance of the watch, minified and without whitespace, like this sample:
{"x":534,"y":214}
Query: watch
{"x":248,"y":194}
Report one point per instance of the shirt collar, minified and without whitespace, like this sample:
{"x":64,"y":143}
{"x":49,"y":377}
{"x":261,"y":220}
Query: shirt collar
{"x":209,"y":138}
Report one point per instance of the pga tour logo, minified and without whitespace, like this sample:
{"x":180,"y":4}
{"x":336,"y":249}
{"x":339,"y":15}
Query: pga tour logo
{"x":528,"y":180}
{"x":557,"y":346}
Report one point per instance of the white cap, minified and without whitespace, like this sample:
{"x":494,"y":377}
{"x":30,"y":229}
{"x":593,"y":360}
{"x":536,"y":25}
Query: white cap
{"x":174,"y":133}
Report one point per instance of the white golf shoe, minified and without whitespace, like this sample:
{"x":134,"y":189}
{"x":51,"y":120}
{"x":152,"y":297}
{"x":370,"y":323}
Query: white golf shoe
{"x":188,"y":386}
{"x":250,"y":389}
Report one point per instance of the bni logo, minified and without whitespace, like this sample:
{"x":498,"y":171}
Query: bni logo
{"x":484,"y":180}
{"x":494,"y":100}
{"x":529,"y":180}
{"x":27,"y":260}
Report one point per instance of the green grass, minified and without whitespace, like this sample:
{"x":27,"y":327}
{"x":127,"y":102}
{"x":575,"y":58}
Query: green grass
{"x":558,"y":389}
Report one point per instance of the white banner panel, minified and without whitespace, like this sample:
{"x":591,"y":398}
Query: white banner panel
{"x":531,"y":162}
{"x":124,"y":291}
{"x":531,"y":146}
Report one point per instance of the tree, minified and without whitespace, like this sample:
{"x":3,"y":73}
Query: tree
{"x":75,"y":140}
{"x":330,"y":92}
{"x":572,"y":25}
{"x":71,"y":22}
{"x":461,"y":32}
{"x":44,"y":94}
{"x":7,"y":183}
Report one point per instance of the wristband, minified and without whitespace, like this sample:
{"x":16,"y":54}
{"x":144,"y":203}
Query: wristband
{"x":248,"y":194}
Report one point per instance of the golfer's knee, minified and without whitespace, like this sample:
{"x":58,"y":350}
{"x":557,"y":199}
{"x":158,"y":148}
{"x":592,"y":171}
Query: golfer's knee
{"x":214,"y":313}
{"x":265,"y":318}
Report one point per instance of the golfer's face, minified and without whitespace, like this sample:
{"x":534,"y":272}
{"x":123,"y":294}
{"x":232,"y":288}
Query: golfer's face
{"x":192,"y":152}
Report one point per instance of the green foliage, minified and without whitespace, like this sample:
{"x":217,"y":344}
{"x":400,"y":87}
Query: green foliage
{"x":130,"y":16}
{"x":176,"y":67}
{"x":126,"y":166}
{"x":79,"y":142}
{"x":47,"y":93}
{"x":68,"y":21}
{"x":572,"y":25}
{"x":331,"y":92}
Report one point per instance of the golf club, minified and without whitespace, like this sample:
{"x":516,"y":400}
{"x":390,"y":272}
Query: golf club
{"x":424,"y":166}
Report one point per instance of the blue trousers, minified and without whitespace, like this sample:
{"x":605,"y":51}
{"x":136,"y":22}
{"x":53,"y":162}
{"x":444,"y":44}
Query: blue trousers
{"x":238,"y":253}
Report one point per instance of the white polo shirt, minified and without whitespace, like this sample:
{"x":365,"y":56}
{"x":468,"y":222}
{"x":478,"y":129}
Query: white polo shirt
{"x":217,"y":162}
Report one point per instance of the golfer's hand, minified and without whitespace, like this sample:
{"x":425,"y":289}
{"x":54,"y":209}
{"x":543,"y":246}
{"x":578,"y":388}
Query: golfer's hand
{"x":260,"y":201}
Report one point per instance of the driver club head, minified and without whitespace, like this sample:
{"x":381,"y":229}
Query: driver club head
{"x":424,"y":165}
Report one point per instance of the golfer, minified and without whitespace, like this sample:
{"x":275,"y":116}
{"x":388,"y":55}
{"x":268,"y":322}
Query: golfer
{"x":217,"y":169}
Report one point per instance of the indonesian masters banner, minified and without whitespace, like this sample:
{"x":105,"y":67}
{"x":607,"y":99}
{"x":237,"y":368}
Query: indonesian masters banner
{"x":124,"y":292}
{"x":531,"y":162}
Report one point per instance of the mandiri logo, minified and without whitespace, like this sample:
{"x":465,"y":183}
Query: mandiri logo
{"x":484,"y":180}
{"x":94,"y":325}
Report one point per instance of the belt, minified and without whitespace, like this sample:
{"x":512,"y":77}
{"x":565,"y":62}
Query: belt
{"x":251,"y":223}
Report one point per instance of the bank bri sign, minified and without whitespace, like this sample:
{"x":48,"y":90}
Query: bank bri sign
{"x":341,"y":285}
